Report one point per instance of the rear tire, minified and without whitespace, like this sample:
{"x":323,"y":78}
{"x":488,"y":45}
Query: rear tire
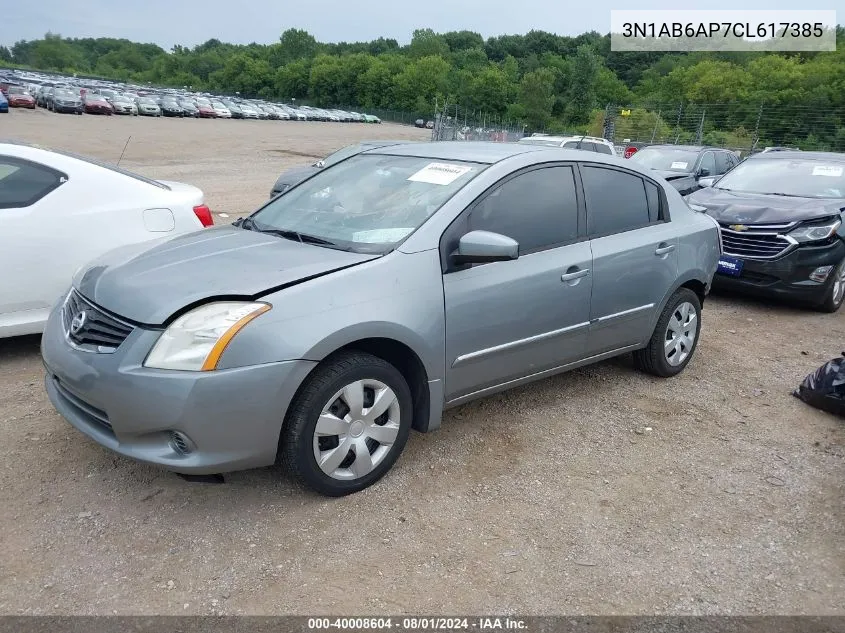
{"x":675,"y":337}
{"x":367,"y":401}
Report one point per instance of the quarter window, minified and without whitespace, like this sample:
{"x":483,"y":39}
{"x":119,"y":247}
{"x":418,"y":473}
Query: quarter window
{"x":616,"y":201}
{"x":539,"y":209}
{"x":23,"y":183}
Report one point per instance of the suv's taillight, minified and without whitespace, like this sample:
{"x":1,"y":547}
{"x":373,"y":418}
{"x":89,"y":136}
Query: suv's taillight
{"x":203,"y":213}
{"x":630,"y":151}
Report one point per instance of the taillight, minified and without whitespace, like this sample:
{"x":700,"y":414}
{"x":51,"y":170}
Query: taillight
{"x":204,"y":214}
{"x":630,"y":151}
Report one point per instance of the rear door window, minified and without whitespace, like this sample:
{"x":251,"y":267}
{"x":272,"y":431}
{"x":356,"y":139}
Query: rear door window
{"x":23,"y":183}
{"x":616,"y":201}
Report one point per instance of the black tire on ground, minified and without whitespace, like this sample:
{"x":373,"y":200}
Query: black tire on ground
{"x":652,"y":358}
{"x":830,"y":304}
{"x":296,"y":443}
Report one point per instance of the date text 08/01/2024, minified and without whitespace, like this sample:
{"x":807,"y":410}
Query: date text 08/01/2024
{"x":723,"y":29}
{"x":418,"y":624}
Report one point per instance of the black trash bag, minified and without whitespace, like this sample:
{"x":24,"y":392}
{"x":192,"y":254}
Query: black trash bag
{"x":825,"y":388}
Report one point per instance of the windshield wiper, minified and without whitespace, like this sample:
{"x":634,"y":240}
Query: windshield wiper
{"x":289,"y":234}
{"x":785,"y":195}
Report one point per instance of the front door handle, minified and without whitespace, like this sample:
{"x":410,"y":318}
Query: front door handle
{"x":663,"y":249}
{"x":575,"y":275}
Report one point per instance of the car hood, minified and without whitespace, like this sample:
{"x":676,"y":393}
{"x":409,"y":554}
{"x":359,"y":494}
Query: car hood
{"x":754,"y":208}
{"x":148,"y":283}
{"x":295,"y":175}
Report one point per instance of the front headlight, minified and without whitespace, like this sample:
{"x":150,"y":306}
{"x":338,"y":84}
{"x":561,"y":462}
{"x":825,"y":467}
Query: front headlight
{"x":815,"y":233}
{"x":196,"y":340}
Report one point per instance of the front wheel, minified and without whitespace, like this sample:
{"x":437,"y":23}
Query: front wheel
{"x":675,"y":336}
{"x":836,"y":292}
{"x":348,"y":425}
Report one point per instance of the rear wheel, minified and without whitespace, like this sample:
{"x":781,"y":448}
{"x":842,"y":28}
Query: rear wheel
{"x":836,"y":292}
{"x":348,"y":425}
{"x":675,"y":336}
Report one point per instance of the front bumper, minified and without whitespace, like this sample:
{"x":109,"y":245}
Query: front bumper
{"x":231,"y":418}
{"x":787,"y":277}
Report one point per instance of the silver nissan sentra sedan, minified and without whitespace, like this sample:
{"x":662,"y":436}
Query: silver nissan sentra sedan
{"x":365,"y":300}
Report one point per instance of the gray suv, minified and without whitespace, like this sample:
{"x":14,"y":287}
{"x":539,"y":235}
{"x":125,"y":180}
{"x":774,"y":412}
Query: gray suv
{"x":365,"y":300}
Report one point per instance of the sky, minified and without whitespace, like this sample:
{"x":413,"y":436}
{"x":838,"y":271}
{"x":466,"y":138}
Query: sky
{"x":191,"y":22}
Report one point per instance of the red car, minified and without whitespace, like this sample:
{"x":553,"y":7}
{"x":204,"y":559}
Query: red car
{"x":18,"y":97}
{"x":97,"y":104}
{"x":206,"y":111}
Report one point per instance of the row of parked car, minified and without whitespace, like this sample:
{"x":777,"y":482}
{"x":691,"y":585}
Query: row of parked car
{"x":108,"y":98}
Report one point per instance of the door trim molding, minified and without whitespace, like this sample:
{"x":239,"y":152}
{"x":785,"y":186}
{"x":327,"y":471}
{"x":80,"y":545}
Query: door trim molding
{"x":616,"y":315}
{"x":537,"y":375}
{"x":482,"y":353}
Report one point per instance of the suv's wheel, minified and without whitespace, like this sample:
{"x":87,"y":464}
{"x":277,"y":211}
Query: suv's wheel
{"x":675,"y":336}
{"x":348,"y":424}
{"x":836,"y":293}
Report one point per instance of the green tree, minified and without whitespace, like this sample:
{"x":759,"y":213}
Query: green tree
{"x":426,"y":42}
{"x":423,"y":80}
{"x":536,"y":98}
{"x":292,"y":80}
{"x":296,"y":44}
{"x":582,"y":88}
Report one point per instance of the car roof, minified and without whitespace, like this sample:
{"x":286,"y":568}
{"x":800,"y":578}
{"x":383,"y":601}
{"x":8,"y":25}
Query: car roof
{"x":471,"y":151}
{"x":798,"y":155}
{"x":692,"y":148}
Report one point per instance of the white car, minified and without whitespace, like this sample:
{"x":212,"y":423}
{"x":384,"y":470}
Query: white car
{"x":59,"y":211}
{"x":588,"y":143}
{"x":222,"y":111}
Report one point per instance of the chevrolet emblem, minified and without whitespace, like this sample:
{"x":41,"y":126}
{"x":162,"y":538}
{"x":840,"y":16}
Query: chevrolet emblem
{"x":737,"y":227}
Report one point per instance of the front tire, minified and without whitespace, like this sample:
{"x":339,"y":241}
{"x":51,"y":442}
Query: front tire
{"x":836,"y":293}
{"x":348,"y":424}
{"x":675,"y":336}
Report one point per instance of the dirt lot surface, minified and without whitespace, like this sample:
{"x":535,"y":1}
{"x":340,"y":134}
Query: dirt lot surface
{"x":601,"y":491}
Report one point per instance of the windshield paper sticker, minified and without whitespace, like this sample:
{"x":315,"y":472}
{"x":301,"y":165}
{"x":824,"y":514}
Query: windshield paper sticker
{"x":439,"y":173}
{"x":679,"y":164}
{"x":827,"y":170}
{"x":381,"y":236}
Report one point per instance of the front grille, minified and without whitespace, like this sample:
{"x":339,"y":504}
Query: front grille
{"x":757,"y":241}
{"x":90,"y":328}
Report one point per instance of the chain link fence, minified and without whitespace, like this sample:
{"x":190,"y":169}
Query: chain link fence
{"x":743,"y":128}
{"x":454,"y":123}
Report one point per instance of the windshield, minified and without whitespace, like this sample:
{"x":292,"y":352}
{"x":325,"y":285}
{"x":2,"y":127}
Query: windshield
{"x":147,"y":100}
{"x":794,"y":177}
{"x":367,"y":203}
{"x":63,"y":94}
{"x":17,"y":90}
{"x":665,"y":159}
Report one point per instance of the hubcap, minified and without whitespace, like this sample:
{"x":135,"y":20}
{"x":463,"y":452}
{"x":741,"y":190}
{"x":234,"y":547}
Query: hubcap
{"x":680,"y":334}
{"x":839,"y":284}
{"x":356,"y":429}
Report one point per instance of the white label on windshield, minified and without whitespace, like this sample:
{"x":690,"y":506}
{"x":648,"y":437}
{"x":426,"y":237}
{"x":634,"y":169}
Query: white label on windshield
{"x":679,"y":164}
{"x":827,"y":170}
{"x":439,"y":173}
{"x":381,"y":236}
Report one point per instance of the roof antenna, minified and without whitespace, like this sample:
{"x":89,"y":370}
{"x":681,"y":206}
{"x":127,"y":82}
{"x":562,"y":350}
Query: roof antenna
{"x":124,"y":151}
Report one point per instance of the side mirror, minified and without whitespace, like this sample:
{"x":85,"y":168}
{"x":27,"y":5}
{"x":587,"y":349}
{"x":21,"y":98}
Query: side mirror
{"x":707,"y":181}
{"x":703,"y":172}
{"x":481,"y":247}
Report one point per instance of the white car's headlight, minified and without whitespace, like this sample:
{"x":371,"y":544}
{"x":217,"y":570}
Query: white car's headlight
{"x":196,"y":340}
{"x":815,"y":233}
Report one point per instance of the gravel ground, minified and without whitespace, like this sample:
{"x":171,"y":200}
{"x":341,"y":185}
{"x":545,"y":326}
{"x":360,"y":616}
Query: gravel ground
{"x":601,"y":491}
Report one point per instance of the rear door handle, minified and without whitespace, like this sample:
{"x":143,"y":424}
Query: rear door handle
{"x":663,"y":249}
{"x":575,"y":275}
